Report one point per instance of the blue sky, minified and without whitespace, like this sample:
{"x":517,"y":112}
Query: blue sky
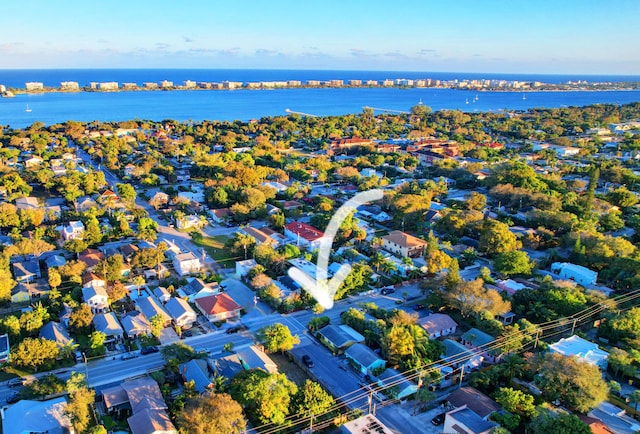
{"x":541,"y":36}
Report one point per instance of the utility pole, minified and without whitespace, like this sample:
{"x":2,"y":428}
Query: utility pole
{"x":461,"y":376}
{"x":573,"y":327}
{"x":86,"y":368}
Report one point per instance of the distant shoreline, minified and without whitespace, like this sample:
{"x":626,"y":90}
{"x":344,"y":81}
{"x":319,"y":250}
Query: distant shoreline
{"x":508,"y":87}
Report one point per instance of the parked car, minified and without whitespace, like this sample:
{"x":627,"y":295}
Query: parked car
{"x":187,"y":333}
{"x":307,"y":361}
{"x":386,"y":291}
{"x":439,"y":419}
{"x":17,"y":382}
{"x":236,"y":329}
{"x":13,"y":398}
{"x":149,"y":350}
{"x":418,"y":307}
{"x":129,"y":356}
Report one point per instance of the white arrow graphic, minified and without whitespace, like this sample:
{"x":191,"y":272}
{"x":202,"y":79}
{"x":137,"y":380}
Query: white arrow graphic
{"x":321,"y":288}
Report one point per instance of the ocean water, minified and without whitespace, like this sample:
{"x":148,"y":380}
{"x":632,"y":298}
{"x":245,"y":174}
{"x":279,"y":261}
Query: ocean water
{"x":184,"y":105}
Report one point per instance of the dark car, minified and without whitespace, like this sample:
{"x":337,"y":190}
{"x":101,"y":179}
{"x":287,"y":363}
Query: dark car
{"x":236,"y":329}
{"x":149,"y":350}
{"x":418,"y":307}
{"x":307,"y":361}
{"x":187,"y":333}
{"x":386,"y":291}
{"x":17,"y":382}
{"x":13,"y":398}
{"x":439,"y":419}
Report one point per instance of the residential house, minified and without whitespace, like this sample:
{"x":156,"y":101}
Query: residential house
{"x":220,"y":215}
{"x":252,"y":357}
{"x":24,"y":203}
{"x":85,"y":203}
{"x":186,"y":263}
{"x":150,"y":308}
{"x":260,"y":236}
{"x":615,"y":418}
{"x":458,"y":355}
{"x":162,"y":294}
{"x":364,"y":359}
{"x":55,"y":261}
{"x":21,"y":293}
{"x":182,"y":314}
{"x":583,"y":349}
{"x":244,"y":267}
{"x":96,"y":298}
{"x":339,"y":338}
{"x":437,"y":325}
{"x":135,"y":324}
{"x":90,"y":257}
{"x":218,"y":307}
{"x":577,"y":273}
{"x":160,"y":198}
{"x":367,"y":424}
{"x":73,"y":231}
{"x":196,"y":370}
{"x":56,"y":332}
{"x":303,"y":235}
{"x":28,"y":416}
{"x":475,"y":400}
{"x":463,"y":420}
{"x":129,"y":170}
{"x":4,"y":348}
{"x":395,"y":385}
{"x":197,"y":288}
{"x":189,"y":221}
{"x":108,"y":324}
{"x":33,"y":161}
{"x":92,"y":280}
{"x":27,"y":271}
{"x":404,"y":245}
{"x":479,"y":341}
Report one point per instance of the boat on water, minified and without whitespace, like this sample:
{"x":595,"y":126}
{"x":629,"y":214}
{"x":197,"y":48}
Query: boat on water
{"x":524,"y":96}
{"x":28,"y":110}
{"x":466,"y":101}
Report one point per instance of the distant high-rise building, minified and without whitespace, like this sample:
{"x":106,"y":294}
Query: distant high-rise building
{"x":33,"y":86}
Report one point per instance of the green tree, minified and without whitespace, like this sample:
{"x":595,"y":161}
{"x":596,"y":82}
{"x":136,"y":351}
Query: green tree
{"x":575,"y":383}
{"x":312,"y":400}
{"x":96,"y":343}
{"x":635,"y":399}
{"x":211,"y":413}
{"x":6,"y":285}
{"x":80,"y":318}
{"x":179,"y":351}
{"x":126,"y":192}
{"x":277,"y":337}
{"x":80,"y":400}
{"x":35,"y":353}
{"x":564,"y":423}
{"x":266,"y":397}
{"x":453,"y":275}
{"x":54,"y":278}
{"x":516,"y":401}
{"x":157,"y":324}
{"x":512,"y":263}
{"x":495,"y":237}
{"x":110,"y":268}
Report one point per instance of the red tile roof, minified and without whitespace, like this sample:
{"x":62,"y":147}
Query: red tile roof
{"x":217,"y":304}
{"x":305,"y":231}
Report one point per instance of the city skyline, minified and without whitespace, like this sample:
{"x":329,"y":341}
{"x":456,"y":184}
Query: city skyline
{"x":586,"y":37}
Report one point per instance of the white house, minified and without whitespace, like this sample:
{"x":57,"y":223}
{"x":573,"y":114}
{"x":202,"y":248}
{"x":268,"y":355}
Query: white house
{"x":438,"y":324}
{"x":96,"y":298}
{"x":243,"y":267}
{"x":583,"y":349}
{"x":303,"y":235}
{"x":404,"y":245}
{"x":181,"y":313}
{"x":577,"y":273}
{"x":186,"y":263}
{"x":189,"y":221}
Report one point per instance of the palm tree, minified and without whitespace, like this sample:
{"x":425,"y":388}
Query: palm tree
{"x":377,"y":259}
{"x":635,"y":398}
{"x":68,"y":350}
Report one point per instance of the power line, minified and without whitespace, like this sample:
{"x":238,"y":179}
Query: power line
{"x":354,"y":396}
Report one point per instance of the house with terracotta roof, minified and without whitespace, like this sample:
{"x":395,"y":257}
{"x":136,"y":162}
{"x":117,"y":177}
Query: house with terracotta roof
{"x":90,"y":257}
{"x":220,"y":215}
{"x":303,"y":234}
{"x":218,"y":307}
{"x":260,"y":236}
{"x":92,"y":280}
{"x":403,"y":245}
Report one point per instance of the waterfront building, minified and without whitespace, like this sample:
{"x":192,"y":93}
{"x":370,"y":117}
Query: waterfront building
{"x":293,"y":83}
{"x":34,"y":86}
{"x":69,"y":85}
{"x":166,"y":84}
{"x":189,"y":84}
{"x":355,"y":82}
{"x":108,"y":85}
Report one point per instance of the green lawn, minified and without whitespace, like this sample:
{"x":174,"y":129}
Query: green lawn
{"x":214,"y":247}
